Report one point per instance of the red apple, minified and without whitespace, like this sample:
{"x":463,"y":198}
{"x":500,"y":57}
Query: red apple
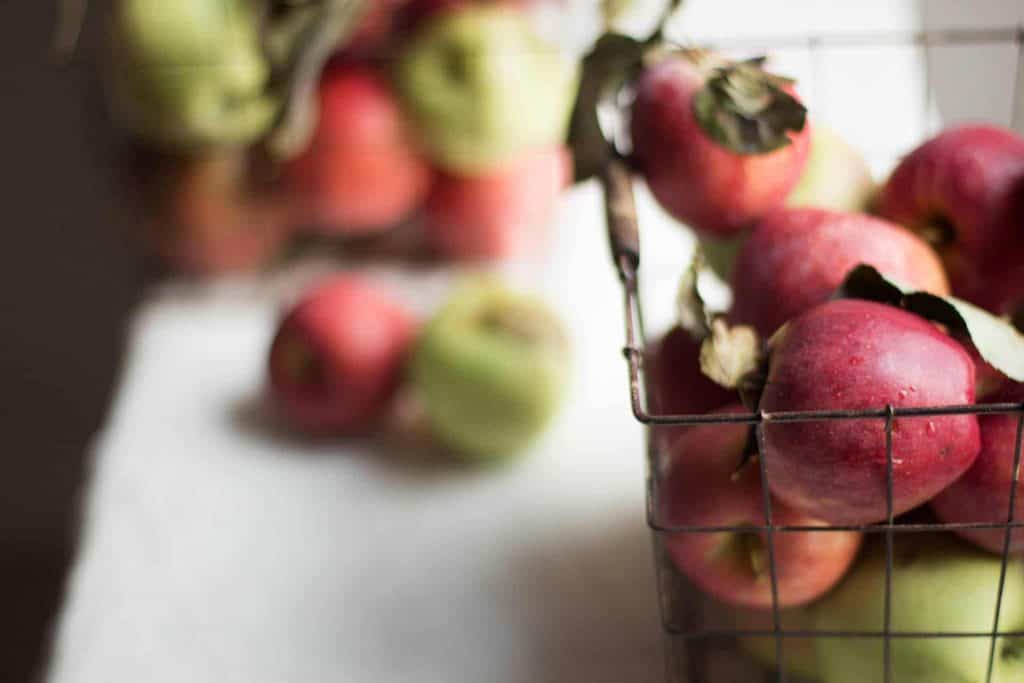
{"x":675,"y":383}
{"x":796,"y":258}
{"x":964,"y":191}
{"x":852,"y":354}
{"x":214,"y":223}
{"x":360,"y":173}
{"x":701,"y":487}
{"x":499,"y":214}
{"x":715,"y":189}
{"x":337,"y":358}
{"x":983,"y":493}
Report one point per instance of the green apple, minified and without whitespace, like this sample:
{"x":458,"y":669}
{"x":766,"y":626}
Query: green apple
{"x":836,"y":175}
{"x":480,"y":87}
{"x":187,"y":73}
{"x":939,"y":584}
{"x":491,"y":369}
{"x":799,"y":654}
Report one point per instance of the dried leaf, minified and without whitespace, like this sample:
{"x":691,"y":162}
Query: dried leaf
{"x":730,"y":354}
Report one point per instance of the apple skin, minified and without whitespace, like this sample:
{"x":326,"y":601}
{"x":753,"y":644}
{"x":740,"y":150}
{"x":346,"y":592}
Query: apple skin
{"x":481,"y":87}
{"x":938,"y":584}
{"x":491,"y":369}
{"x":361,"y":173}
{"x":499,"y":214}
{"x":700,"y":487}
{"x":676,"y":385}
{"x":213,"y":224}
{"x":971,"y":178}
{"x":796,"y":258}
{"x":715,"y":191}
{"x":337,"y":358}
{"x":799,"y":654}
{"x":220,"y":99}
{"x":982,"y":494}
{"x":853,"y":354}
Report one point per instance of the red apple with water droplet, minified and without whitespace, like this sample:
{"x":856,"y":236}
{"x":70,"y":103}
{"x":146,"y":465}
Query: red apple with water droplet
{"x":859,"y":355}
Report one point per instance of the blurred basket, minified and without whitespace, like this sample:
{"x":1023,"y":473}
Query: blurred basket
{"x":700,"y":640}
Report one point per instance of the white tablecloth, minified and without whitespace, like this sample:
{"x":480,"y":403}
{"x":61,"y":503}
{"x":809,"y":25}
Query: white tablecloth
{"x":215,"y":549}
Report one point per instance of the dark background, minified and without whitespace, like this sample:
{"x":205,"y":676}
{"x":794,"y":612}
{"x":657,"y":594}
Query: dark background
{"x":68,"y":279}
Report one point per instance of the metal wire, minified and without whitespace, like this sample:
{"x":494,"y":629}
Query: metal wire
{"x":623,"y":236}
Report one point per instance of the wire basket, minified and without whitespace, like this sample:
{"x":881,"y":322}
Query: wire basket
{"x":701,"y":643}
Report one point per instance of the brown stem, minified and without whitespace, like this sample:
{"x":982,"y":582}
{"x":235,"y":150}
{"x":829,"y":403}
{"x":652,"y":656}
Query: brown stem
{"x":620,"y":214}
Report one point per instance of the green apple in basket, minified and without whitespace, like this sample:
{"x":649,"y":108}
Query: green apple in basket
{"x":798,"y":654}
{"x":835,"y":177}
{"x":187,"y":73}
{"x":481,"y":86}
{"x":939,"y":584}
{"x":491,"y":369}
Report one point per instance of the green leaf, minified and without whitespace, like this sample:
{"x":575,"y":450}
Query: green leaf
{"x":996,"y":339}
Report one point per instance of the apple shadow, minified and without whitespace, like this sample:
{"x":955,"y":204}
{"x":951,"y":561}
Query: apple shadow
{"x":406,"y":459}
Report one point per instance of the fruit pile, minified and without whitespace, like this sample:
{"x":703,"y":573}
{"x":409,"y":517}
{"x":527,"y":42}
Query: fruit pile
{"x":268,"y":121}
{"x":484,"y":376}
{"x":845,"y":297}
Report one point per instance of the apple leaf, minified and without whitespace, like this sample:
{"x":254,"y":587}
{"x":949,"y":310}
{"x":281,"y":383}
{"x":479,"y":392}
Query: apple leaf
{"x":996,"y":339}
{"x":299,"y":40}
{"x":745,"y":108}
{"x":729,"y":355}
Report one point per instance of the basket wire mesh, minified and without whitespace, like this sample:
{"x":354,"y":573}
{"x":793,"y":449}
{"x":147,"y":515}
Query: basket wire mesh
{"x":691,"y":665}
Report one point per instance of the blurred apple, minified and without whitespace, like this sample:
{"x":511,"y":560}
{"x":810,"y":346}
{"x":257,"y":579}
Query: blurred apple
{"x":721,"y":144}
{"x":498,"y":214}
{"x":481,"y":87}
{"x":360,"y":172}
{"x":491,"y":369}
{"x":190,"y":73}
{"x":336,"y":360}
{"x":214,"y":222}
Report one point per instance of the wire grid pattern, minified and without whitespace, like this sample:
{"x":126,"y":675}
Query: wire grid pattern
{"x":623,"y":233}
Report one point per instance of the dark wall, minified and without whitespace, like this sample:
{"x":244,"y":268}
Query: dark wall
{"x":68,"y":279}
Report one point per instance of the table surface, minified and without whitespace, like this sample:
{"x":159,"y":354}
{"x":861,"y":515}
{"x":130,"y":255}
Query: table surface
{"x":215,"y":548}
